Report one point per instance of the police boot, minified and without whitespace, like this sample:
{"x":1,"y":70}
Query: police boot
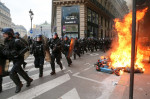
{"x":18,"y":88}
{"x":60,"y":65}
{"x":52,"y":73}
{"x":26,"y":77}
{"x":41,"y":72}
{"x":29,"y":82}
{"x":17,"y":81}
{"x":69,"y":61}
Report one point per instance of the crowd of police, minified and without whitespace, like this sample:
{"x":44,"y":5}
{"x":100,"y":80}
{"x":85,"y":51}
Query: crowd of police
{"x":15,"y":47}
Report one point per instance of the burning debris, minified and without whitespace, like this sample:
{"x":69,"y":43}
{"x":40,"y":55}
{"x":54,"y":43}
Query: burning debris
{"x":104,"y":65}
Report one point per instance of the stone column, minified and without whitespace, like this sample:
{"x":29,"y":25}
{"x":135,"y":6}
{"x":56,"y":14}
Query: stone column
{"x":58,"y":20}
{"x":82,"y":20}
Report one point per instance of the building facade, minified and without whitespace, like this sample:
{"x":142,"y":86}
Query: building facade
{"x":86,"y":18}
{"x":44,"y":29}
{"x":19,"y":28}
{"x":5,"y":19}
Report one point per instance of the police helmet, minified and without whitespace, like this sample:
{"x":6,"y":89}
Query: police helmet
{"x":39,"y":35}
{"x":16,"y":33}
{"x":8,"y":31}
{"x":66,"y":37}
{"x":55,"y":34}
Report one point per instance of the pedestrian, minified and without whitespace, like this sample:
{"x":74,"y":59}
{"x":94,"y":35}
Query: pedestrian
{"x":55,"y":45}
{"x":38,"y":50}
{"x":12,"y":49}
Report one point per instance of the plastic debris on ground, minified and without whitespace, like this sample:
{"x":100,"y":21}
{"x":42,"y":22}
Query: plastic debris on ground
{"x":104,"y":65}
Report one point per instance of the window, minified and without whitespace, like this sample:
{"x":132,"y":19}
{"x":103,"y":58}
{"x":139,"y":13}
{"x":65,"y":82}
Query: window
{"x":93,"y":17}
{"x":71,"y":28}
{"x":93,"y":23}
{"x":102,"y":21}
{"x":96,"y":19}
{"x":89,"y":15}
{"x":70,"y":13}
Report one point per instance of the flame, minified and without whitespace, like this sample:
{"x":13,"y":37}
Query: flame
{"x":121,"y":72}
{"x":71,"y":47}
{"x":121,"y":56}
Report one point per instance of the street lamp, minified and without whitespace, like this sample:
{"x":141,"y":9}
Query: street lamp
{"x":31,"y":17}
{"x":41,"y":29}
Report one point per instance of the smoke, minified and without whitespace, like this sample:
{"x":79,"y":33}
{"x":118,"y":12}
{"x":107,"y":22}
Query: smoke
{"x":129,"y":4}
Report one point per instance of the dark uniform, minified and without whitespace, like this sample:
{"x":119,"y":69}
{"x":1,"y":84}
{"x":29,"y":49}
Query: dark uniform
{"x":30,"y":42}
{"x":55,"y":45}
{"x":1,"y":66}
{"x":38,"y":50}
{"x":85,"y":44}
{"x":17,"y":35}
{"x":76,"y":48}
{"x":81,"y":46}
{"x":66,"y":50}
{"x":95,"y":40}
{"x":12,"y":49}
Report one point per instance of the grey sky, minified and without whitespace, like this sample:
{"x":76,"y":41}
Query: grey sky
{"x":20,"y":11}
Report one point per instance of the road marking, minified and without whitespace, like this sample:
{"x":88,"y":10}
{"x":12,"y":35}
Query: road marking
{"x":38,"y":90}
{"x":87,"y":68}
{"x":77,"y":75}
{"x":72,"y":94}
{"x":10,"y":84}
{"x":29,"y":60}
{"x":68,"y":71}
{"x":94,"y":54}
{"x":34,"y":69}
{"x":87,"y":64}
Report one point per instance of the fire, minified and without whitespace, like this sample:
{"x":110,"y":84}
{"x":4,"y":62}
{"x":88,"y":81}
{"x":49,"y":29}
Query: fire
{"x":121,"y":72}
{"x":71,"y":47}
{"x":121,"y":56}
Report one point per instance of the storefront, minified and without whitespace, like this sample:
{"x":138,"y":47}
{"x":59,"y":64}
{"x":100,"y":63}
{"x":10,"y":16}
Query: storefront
{"x":70,"y":21}
{"x":92,"y":23}
{"x":85,"y":18}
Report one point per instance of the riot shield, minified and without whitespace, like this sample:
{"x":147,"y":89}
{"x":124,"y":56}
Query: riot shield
{"x":4,"y":64}
{"x":48,"y":55}
{"x":71,"y":47}
{"x":47,"y":51}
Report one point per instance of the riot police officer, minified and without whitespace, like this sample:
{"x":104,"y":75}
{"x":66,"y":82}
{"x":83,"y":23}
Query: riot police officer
{"x":66,"y":50}
{"x":38,"y":50}
{"x":55,"y":45}
{"x":76,"y":48}
{"x":12,"y":50}
{"x":17,"y":35}
{"x":1,"y":63}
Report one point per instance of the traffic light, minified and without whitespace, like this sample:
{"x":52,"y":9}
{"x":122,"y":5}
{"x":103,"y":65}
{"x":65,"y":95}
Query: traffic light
{"x":140,"y":2}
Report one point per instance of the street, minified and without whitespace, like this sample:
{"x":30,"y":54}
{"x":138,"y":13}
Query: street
{"x":80,"y":81}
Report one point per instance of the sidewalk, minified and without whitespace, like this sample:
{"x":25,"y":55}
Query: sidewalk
{"x":141,"y":85}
